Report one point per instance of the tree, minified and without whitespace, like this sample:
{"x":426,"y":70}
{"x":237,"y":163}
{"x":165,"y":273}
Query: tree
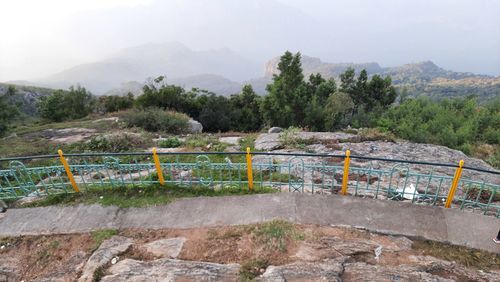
{"x":109,"y":104}
{"x":245,"y":110}
{"x":284,"y":104}
{"x":215,"y":114}
{"x":157,"y":93}
{"x":8,"y":112}
{"x":348,"y":81}
{"x":338,"y":111}
{"x":66,"y":105}
{"x":380,"y":91}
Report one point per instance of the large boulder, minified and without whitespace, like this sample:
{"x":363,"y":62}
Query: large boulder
{"x":195,"y":126}
{"x":275,"y":130}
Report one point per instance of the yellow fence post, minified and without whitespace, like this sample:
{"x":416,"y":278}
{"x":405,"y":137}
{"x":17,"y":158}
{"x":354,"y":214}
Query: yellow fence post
{"x":158,"y":167}
{"x":345,"y":178}
{"x":454,"y":184}
{"x":68,"y":171}
{"x":249,"y":169}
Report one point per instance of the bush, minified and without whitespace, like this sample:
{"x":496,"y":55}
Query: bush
{"x":154,"y":120}
{"x":115,"y":143}
{"x":171,"y":142}
{"x":66,"y":105}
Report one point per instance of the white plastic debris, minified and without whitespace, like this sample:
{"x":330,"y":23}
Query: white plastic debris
{"x":101,"y":197}
{"x":409,"y":192}
{"x":114,"y":260}
{"x":378,"y":252}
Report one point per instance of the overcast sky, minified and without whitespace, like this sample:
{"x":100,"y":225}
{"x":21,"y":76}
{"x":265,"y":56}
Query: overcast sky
{"x":39,"y":38}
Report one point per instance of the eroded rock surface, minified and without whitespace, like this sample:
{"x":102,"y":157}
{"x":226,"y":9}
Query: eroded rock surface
{"x":327,"y":270}
{"x":108,"y":249}
{"x":169,"y":248}
{"x":171,"y":270}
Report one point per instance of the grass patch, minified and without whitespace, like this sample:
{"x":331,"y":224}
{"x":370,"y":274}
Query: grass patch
{"x":276,"y":233}
{"x":170,"y":142}
{"x":99,"y":236}
{"x":252,"y":268}
{"x":248,"y":141}
{"x":127,"y":196}
{"x":463,"y":255}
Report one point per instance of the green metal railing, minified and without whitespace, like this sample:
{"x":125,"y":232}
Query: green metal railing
{"x":421,"y":183}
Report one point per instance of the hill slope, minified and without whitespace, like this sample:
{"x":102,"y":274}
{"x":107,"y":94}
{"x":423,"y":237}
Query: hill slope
{"x":423,"y":78}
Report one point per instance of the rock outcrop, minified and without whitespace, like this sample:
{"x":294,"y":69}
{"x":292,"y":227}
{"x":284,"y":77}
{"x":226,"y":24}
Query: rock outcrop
{"x":194,"y":126}
{"x":171,"y":270}
{"x":103,"y":255}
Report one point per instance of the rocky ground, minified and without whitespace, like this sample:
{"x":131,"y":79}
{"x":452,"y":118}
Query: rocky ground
{"x":275,"y":251}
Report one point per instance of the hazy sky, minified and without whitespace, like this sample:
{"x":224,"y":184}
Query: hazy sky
{"x":39,"y":38}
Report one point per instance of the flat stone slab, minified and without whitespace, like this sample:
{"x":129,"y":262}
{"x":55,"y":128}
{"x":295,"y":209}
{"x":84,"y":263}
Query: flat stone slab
{"x":233,"y":140}
{"x":171,"y":270}
{"x":169,"y":248}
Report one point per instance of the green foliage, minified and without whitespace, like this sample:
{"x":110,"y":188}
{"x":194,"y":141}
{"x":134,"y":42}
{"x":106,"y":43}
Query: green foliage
{"x":337,"y":112}
{"x":8,"y":112}
{"x":454,"y":123}
{"x":159,"y":94}
{"x":157,"y":120}
{"x":245,"y":111}
{"x":114,"y":143}
{"x":252,"y":268}
{"x":170,"y":142}
{"x":215,"y":114}
{"x":285,"y":92}
{"x":66,"y":105}
{"x":275,"y":234}
{"x":109,"y":104}
{"x":133,"y":196}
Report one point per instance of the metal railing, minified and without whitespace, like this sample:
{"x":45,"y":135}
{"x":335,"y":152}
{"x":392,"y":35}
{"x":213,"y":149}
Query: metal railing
{"x":422,"y":183}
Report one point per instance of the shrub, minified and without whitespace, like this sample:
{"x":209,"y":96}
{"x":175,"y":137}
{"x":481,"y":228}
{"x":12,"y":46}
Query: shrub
{"x":115,"y":142}
{"x":66,"y":105}
{"x":171,"y":142}
{"x":155,"y":119}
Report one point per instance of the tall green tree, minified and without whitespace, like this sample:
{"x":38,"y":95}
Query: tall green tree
{"x":8,"y":111}
{"x":283,"y":106}
{"x":246,"y":114}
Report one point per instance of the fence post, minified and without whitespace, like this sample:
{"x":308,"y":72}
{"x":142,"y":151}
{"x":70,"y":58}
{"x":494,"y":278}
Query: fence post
{"x":249,"y":169}
{"x":454,"y":184}
{"x":345,"y":177}
{"x":158,"y":167}
{"x":68,"y":171}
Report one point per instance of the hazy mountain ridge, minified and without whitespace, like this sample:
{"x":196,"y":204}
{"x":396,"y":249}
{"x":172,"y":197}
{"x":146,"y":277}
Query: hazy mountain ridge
{"x":224,"y":72}
{"x":174,"y":60}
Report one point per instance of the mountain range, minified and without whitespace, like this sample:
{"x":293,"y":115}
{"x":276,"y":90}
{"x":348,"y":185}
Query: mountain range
{"x":224,"y":72}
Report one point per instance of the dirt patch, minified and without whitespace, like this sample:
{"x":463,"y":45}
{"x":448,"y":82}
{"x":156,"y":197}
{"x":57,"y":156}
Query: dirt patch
{"x":55,"y":255}
{"x":231,"y":244}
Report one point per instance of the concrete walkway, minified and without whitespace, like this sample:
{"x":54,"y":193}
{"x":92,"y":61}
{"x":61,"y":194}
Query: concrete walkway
{"x":388,"y":217}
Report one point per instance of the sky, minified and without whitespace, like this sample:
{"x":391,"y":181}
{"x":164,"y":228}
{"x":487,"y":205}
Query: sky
{"x":39,"y":38}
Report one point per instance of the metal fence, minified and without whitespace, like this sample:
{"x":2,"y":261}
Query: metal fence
{"x":422,"y":183}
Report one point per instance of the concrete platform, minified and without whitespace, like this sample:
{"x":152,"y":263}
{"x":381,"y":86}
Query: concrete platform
{"x":388,"y":217}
